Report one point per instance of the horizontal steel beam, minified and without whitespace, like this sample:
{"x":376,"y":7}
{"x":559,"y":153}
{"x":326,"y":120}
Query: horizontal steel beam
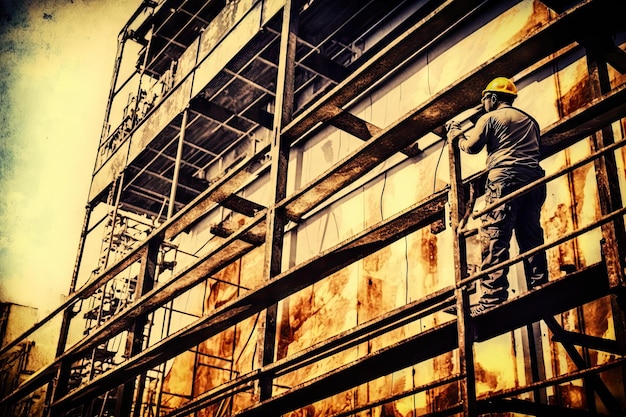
{"x":241,"y":205}
{"x":526,"y":407}
{"x":388,"y":321}
{"x":354,"y":125}
{"x":428,"y":344}
{"x":600,"y":112}
{"x":287,"y":283}
{"x":425,"y":118}
{"x":380,"y":65}
{"x":557,"y":296}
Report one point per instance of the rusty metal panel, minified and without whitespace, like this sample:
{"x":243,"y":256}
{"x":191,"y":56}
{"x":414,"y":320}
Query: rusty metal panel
{"x":315,"y":314}
{"x":495,"y":371}
{"x":220,"y":358}
{"x":145,"y":133}
{"x":485,"y":37}
{"x":385,"y":108}
{"x":187,"y":61}
{"x":107,"y":172}
{"x":228,"y":18}
{"x":165,"y":113}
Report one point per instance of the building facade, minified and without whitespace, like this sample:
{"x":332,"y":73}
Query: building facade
{"x":276,"y":224}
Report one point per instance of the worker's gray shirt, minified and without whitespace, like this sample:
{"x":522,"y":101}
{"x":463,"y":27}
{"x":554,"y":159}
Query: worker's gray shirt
{"x":512,"y":140}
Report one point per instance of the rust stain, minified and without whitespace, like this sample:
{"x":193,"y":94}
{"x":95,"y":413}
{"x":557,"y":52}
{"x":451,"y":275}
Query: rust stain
{"x":445,"y":397}
{"x":577,"y":187}
{"x":295,"y":311}
{"x":423,"y":249}
{"x":429,"y":253}
{"x":443,"y":365}
{"x":571,"y":396}
{"x":372,"y":283}
{"x":483,"y":376}
{"x":389,"y":410}
{"x":330,"y":406}
{"x":316,"y":314}
{"x":370,"y":298}
{"x":221,"y":292}
{"x":539,"y":16}
{"x":177,"y":383}
{"x":597,"y":317}
{"x":559,"y":224}
{"x":212,"y":365}
{"x":308,"y":411}
{"x":576,"y":97}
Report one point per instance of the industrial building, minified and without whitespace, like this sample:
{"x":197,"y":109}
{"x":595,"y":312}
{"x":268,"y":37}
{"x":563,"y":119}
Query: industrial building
{"x":277,"y":226}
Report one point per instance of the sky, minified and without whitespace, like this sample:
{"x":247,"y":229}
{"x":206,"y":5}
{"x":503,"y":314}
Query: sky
{"x":56,"y":64}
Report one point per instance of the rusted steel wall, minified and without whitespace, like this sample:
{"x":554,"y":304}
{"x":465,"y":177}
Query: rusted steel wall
{"x":418,"y":264}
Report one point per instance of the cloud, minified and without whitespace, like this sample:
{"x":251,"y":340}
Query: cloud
{"x":56,"y":60}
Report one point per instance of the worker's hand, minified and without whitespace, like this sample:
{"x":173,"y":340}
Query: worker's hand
{"x":453,"y":130}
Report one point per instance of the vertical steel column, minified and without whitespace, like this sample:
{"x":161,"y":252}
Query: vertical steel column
{"x":59,"y":389}
{"x":607,"y":177}
{"x":68,"y":313}
{"x":81,"y":247}
{"x":60,"y":383}
{"x":534,"y":359}
{"x":464,"y":325}
{"x":121,"y":38}
{"x":135,"y":337}
{"x":145,"y":283}
{"x":121,"y":42}
{"x":177,"y":163}
{"x":607,"y":174}
{"x":113,"y":215}
{"x":283,"y":112}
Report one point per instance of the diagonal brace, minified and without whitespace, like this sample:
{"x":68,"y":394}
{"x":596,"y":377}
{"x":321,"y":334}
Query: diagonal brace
{"x":594,"y":379}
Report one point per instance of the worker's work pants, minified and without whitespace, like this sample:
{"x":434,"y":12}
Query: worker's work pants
{"x":522,"y":215}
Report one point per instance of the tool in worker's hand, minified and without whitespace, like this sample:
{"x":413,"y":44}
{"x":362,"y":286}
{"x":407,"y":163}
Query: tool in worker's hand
{"x":453,"y":129}
{"x":452,"y":124}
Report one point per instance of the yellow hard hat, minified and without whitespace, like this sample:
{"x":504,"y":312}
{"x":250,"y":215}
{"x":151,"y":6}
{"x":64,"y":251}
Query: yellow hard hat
{"x":501,"y":85}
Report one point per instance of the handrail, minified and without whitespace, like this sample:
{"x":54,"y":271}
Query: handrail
{"x":601,"y":221}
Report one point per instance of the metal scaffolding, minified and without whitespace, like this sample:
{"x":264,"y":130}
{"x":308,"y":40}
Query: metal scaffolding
{"x":225,"y":99}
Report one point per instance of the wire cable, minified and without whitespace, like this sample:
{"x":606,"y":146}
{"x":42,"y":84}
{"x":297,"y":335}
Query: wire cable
{"x":445,"y":142}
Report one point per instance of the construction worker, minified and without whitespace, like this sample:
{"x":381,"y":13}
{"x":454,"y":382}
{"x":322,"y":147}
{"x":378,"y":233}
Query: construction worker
{"x":512,"y":140}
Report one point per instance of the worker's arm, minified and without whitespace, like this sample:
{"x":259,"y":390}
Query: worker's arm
{"x":477,"y":138}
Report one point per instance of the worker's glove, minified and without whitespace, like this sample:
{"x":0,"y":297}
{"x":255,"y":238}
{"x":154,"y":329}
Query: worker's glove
{"x":453,"y":130}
